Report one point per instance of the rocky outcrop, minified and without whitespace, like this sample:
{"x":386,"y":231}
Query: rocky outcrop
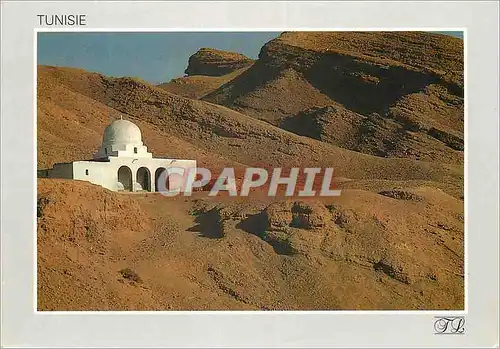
{"x":84,"y":214}
{"x":212,"y":62}
{"x":401,"y":194}
{"x":385,"y":63}
{"x":298,"y":214}
{"x":413,"y":82}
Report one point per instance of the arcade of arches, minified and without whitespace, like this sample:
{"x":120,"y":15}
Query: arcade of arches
{"x":143,"y":179}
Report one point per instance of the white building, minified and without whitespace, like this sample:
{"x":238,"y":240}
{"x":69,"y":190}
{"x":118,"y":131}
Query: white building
{"x":122,"y":163}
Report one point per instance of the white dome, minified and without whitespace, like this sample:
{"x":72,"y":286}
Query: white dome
{"x":122,"y":132}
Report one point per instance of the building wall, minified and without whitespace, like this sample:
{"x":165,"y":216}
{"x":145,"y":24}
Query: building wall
{"x":106,"y":173}
{"x":135,"y":151}
{"x":175,"y":181}
{"x":95,"y":172}
{"x":123,"y":150}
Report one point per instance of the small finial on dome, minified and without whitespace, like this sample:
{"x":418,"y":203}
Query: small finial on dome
{"x":121,"y":117}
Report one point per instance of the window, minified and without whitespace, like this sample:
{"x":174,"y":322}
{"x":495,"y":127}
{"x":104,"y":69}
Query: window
{"x":87,"y":172}
{"x":135,"y":150}
{"x":106,"y":151}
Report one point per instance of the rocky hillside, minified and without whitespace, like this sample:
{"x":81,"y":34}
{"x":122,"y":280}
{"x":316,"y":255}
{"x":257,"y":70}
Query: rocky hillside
{"x":403,"y":90}
{"x":175,"y":126}
{"x":198,"y":86}
{"x":208,"y":69}
{"x":99,"y":250}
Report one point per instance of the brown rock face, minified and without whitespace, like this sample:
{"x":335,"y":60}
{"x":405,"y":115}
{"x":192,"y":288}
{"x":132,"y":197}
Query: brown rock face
{"x":297,"y":214}
{"x":391,"y":94}
{"x":212,"y":62}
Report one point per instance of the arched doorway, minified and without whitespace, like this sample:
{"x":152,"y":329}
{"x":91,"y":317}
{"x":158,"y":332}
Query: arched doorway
{"x":125,"y":178}
{"x":159,"y":175}
{"x":144,"y":178}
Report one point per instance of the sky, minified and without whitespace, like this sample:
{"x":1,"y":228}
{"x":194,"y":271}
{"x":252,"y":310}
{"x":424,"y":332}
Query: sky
{"x":153,"y":57}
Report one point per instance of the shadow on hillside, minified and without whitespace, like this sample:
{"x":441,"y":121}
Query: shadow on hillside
{"x":362,"y":87}
{"x":256,"y":224}
{"x":208,"y":225}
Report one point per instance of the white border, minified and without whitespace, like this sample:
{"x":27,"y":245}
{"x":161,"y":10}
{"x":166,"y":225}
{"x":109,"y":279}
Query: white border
{"x":175,"y":312}
{"x":23,"y":327}
{"x":238,"y":30}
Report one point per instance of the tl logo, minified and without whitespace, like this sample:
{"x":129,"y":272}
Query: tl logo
{"x":449,"y":325}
